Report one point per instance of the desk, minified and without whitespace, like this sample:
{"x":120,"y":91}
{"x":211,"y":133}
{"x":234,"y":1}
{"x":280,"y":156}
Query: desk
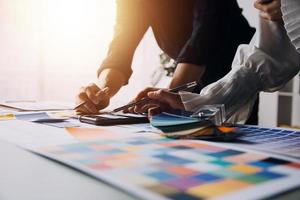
{"x":34,"y":178}
{"x":24,"y":175}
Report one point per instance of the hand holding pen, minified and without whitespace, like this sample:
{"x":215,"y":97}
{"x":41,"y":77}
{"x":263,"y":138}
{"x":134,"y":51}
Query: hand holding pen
{"x":91,"y":99}
{"x":160,"y":99}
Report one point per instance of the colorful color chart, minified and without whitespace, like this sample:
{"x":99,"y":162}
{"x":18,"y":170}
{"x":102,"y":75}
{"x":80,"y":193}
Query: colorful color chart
{"x":152,"y":167}
{"x":280,"y":141}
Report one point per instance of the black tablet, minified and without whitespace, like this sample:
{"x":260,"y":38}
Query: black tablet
{"x":109,"y":119}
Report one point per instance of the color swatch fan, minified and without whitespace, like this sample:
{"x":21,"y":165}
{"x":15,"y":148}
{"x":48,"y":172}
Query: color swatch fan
{"x":186,"y":127}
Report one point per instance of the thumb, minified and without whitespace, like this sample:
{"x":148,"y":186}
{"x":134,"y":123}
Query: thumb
{"x":161,"y":95}
{"x":169,"y":98}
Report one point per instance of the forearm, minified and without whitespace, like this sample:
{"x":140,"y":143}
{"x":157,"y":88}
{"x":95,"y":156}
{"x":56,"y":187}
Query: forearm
{"x":266,"y":64}
{"x":186,"y":73}
{"x":113,"y":79}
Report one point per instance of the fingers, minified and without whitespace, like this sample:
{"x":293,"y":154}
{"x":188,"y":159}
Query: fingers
{"x":172,"y":99}
{"x":95,"y":94}
{"x":140,"y":108}
{"x":154,"y":111}
{"x":129,"y":110}
{"x":159,"y":98}
{"x":144,"y":108}
{"x":273,"y":17}
{"x":141,"y":95}
{"x":88,"y":106}
{"x":144,"y":93}
{"x":93,"y":97}
{"x":269,"y":11}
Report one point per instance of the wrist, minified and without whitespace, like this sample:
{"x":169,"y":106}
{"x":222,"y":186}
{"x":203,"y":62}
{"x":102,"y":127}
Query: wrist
{"x":111,"y":79}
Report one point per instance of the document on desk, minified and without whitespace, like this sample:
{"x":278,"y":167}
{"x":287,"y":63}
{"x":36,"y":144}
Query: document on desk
{"x":153,"y":167}
{"x":32,"y":135}
{"x":37,"y":105}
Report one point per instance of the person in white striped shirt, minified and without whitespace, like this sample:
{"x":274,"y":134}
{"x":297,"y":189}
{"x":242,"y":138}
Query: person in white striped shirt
{"x":266,"y":64}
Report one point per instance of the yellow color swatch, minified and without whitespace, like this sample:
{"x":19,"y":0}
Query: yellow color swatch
{"x":246,"y":169}
{"x":217,"y":188}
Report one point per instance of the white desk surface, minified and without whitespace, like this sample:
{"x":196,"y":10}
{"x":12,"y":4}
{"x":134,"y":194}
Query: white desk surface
{"x":27,"y":176}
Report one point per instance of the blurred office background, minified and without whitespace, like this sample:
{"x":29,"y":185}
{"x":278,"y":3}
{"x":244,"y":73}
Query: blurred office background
{"x":50,"y":48}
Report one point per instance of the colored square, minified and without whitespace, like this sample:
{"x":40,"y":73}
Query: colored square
{"x":246,"y":169}
{"x":138,"y":142}
{"x":161,"y":175}
{"x":192,"y":155}
{"x":206,"y":177}
{"x":183,"y":196}
{"x":148,"y":161}
{"x":183,"y":183}
{"x":74,"y":148}
{"x":226,"y":173}
{"x":125,"y":156}
{"x":203,"y":147}
{"x":112,"y":151}
{"x":181,"y":147}
{"x":119,"y":163}
{"x":137,"y":179}
{"x":216,"y":189}
{"x":253,"y":178}
{"x":270,"y":175}
{"x":101,"y":147}
{"x":133,"y":148}
{"x":294,"y":165}
{"x":204,"y":167}
{"x":162,"y":189}
{"x":173,"y":159}
{"x":245,"y":157}
{"x":170,"y":143}
{"x":226,"y":153}
{"x":261,"y":164}
{"x":221,"y":163}
{"x":276,"y":161}
{"x":182,"y":171}
{"x":99,"y":166}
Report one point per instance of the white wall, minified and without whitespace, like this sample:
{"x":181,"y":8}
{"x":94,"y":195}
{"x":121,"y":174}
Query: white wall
{"x":49,"y":48}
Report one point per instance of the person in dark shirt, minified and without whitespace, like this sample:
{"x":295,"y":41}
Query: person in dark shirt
{"x":201,"y":35}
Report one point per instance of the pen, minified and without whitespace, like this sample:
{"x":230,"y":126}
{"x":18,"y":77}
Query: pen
{"x":7,"y":116}
{"x":79,"y":105}
{"x":176,"y":89}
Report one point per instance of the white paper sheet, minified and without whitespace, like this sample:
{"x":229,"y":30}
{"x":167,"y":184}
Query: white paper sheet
{"x":37,"y":105}
{"x":31,"y":135}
